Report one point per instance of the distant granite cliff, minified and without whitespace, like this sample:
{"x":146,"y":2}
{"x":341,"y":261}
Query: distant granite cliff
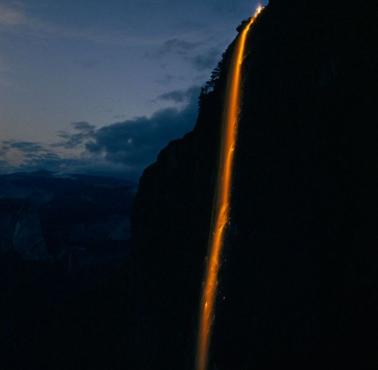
{"x":21,"y":230}
{"x":299,"y":284}
{"x":78,"y":220}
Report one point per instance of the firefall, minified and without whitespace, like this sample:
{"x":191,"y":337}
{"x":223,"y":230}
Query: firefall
{"x":221,"y":211}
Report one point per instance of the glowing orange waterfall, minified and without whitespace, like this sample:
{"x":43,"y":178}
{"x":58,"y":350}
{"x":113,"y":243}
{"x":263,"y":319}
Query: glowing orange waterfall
{"x":223,"y":196}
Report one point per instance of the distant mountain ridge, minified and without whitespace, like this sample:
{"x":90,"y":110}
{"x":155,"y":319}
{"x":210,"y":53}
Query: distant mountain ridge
{"x":44,"y":216}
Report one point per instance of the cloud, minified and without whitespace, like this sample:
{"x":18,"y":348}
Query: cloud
{"x":177,"y":46}
{"x":30,"y":151}
{"x":166,"y":79}
{"x":20,"y":155}
{"x":202,"y":56}
{"x":12,"y":16}
{"x":121,"y":149}
{"x":23,"y":156}
{"x":83,"y":126}
{"x":83,"y":132}
{"x":206,"y":60}
{"x":25,"y":146}
{"x":180,"y":96}
{"x":137,"y":142}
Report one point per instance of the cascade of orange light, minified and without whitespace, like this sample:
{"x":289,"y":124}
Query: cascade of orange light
{"x":223,"y":196}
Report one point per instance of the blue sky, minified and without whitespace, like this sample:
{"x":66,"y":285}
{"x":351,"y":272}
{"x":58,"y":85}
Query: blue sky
{"x":103,"y":63}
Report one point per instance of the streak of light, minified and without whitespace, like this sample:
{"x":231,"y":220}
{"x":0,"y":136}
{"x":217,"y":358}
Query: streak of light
{"x":223,"y":196}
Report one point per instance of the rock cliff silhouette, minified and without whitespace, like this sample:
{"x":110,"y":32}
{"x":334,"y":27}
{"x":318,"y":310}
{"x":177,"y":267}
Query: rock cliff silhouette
{"x":299,"y":278}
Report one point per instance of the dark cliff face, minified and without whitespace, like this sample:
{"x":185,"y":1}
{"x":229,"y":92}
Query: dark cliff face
{"x":299,"y":281}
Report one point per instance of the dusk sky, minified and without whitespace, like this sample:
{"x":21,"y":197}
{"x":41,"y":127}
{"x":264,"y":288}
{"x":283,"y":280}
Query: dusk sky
{"x":100,"y":86}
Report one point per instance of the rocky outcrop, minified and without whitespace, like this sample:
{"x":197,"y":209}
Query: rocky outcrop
{"x":20,"y":229}
{"x":299,"y":282}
